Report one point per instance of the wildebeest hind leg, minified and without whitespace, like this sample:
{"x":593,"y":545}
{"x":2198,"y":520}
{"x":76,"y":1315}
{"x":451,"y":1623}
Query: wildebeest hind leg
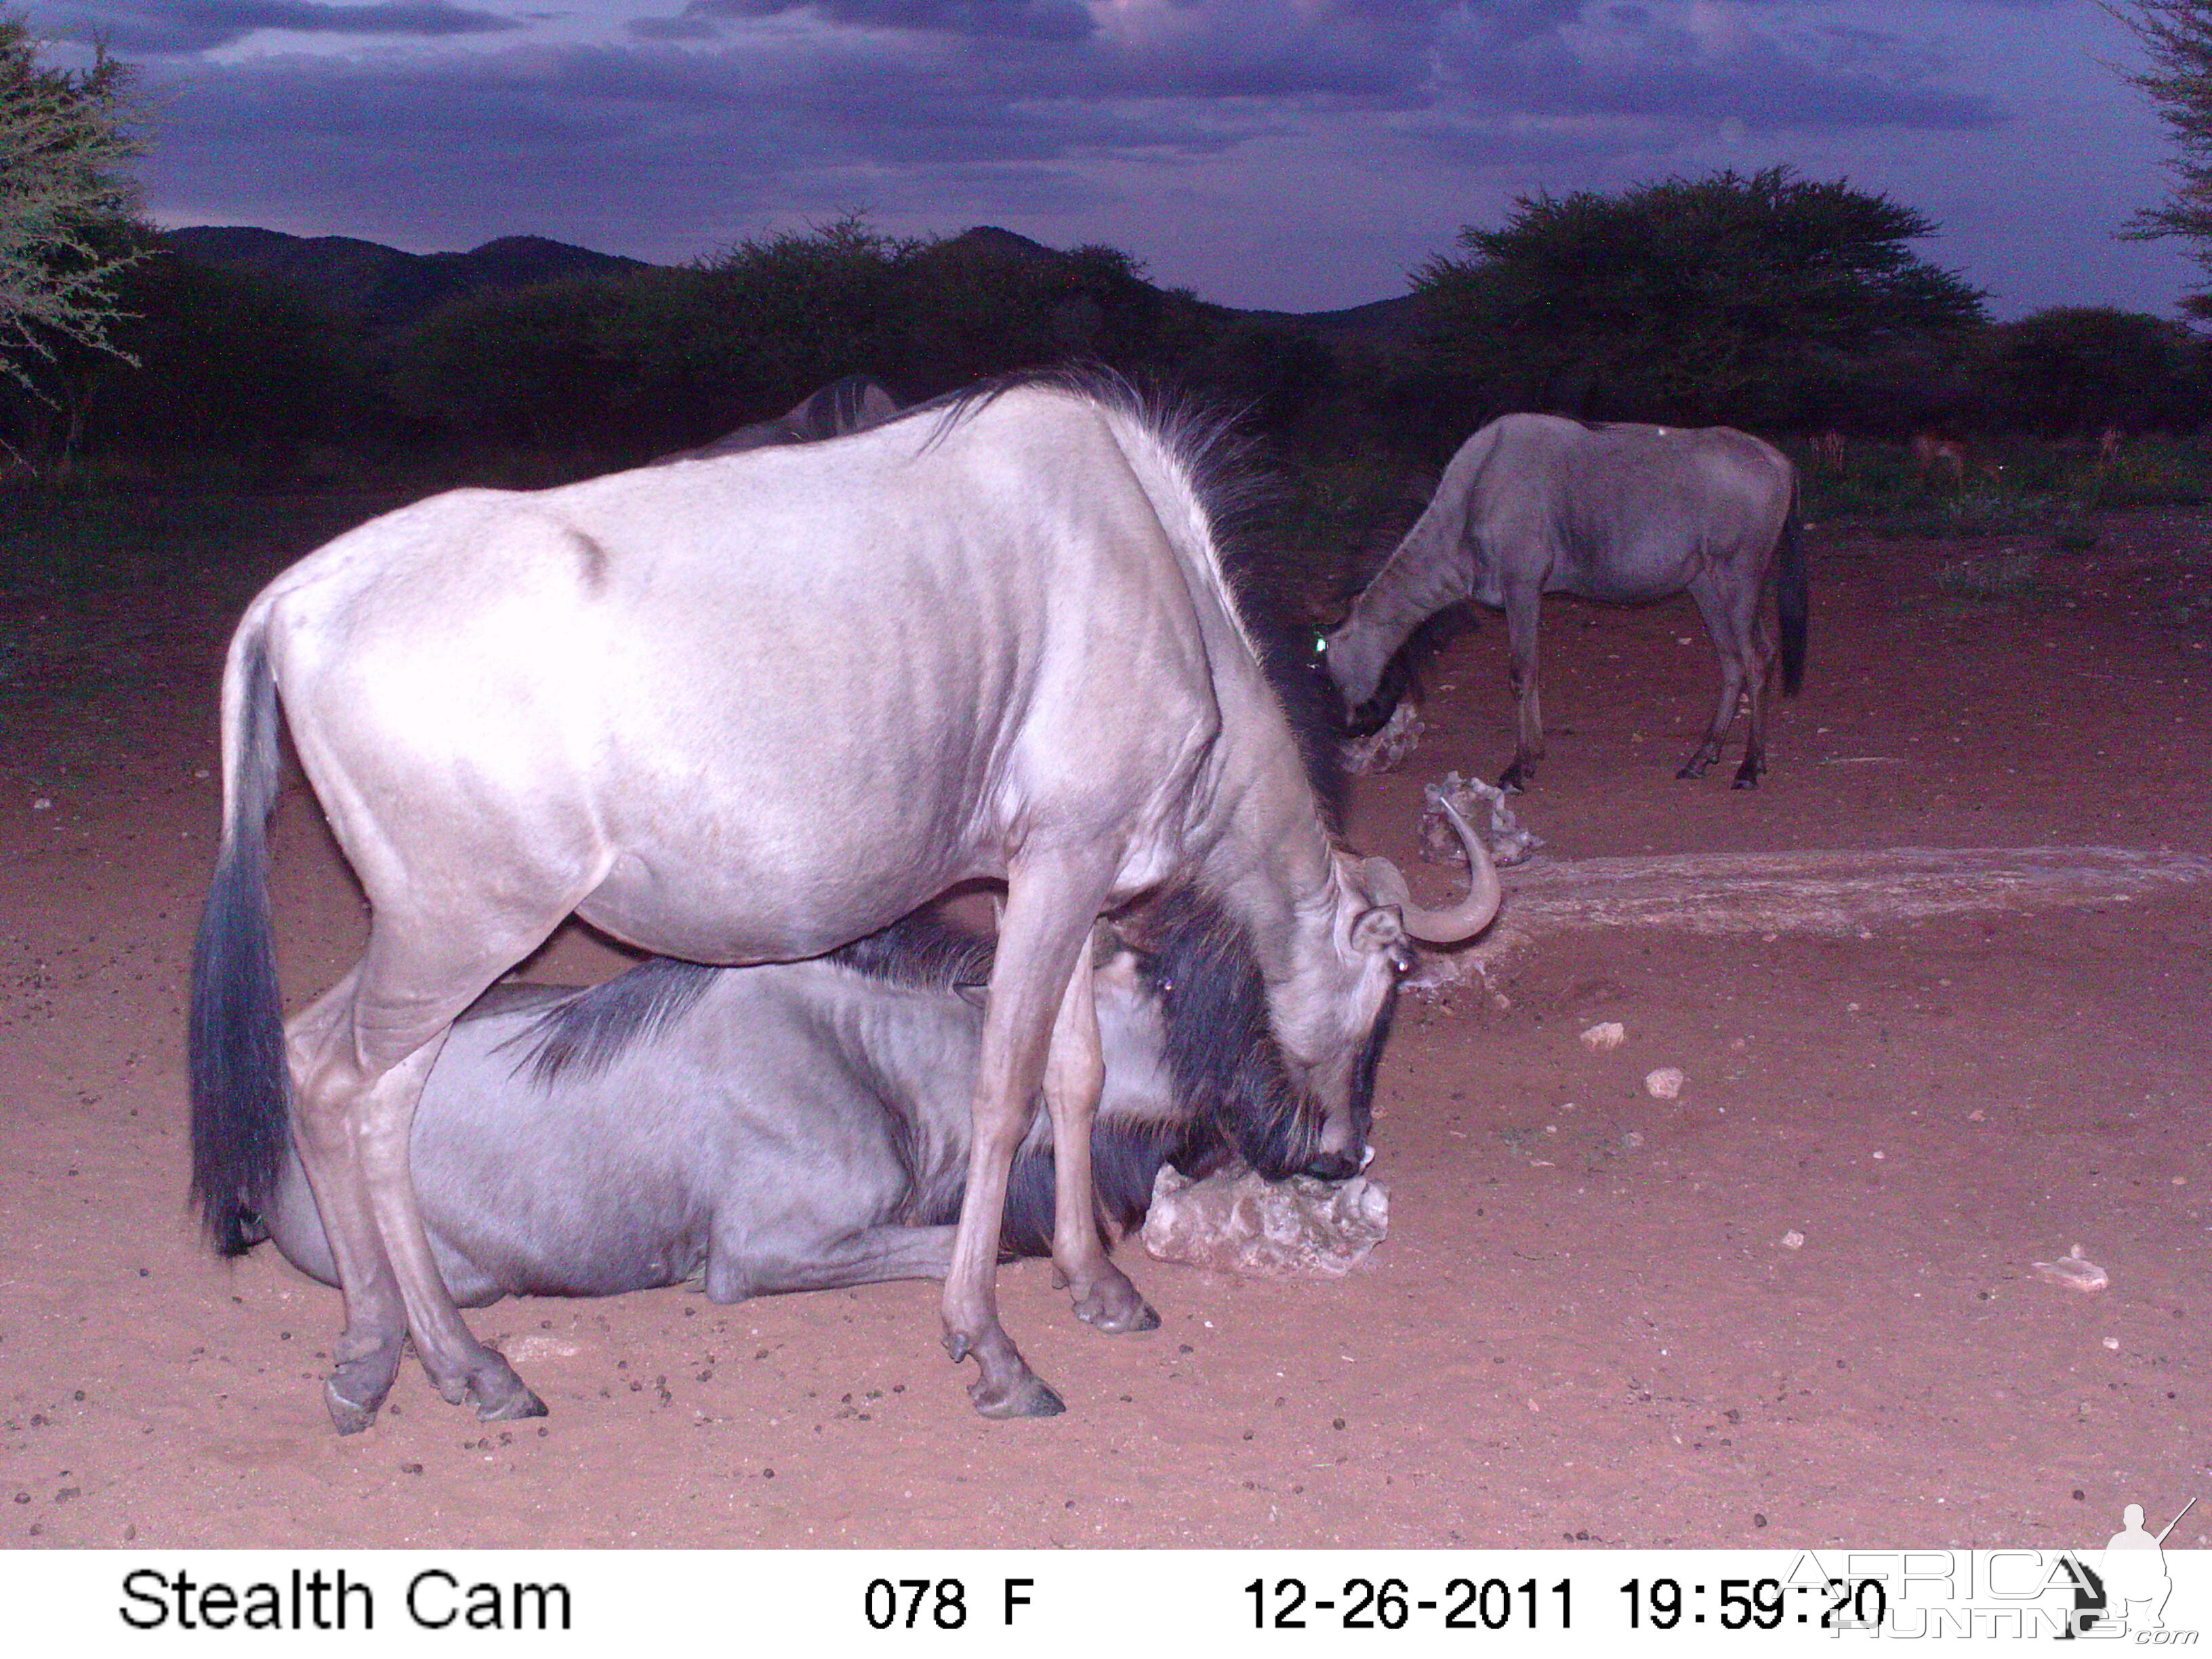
{"x":1728,"y":644}
{"x":869,"y":1256}
{"x":1758,"y":676}
{"x":1523,"y":612}
{"x":366,"y":1357}
{"x":360,"y":1074}
{"x":1075,"y":1075}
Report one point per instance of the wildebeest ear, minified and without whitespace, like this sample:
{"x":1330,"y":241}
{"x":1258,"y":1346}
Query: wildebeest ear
{"x":1378,"y":928}
{"x":974,"y":995}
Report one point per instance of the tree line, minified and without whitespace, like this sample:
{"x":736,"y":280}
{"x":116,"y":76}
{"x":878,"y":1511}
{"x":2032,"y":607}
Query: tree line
{"x":1766,"y":300}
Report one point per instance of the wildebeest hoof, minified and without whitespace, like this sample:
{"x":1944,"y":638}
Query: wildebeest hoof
{"x":349,"y":1416}
{"x":503,"y":1397}
{"x":955,"y":1344}
{"x":356,"y":1387}
{"x":1692,"y":771}
{"x":1745,"y":781}
{"x":1331,"y":1166}
{"x":1514,"y":779}
{"x":1117,"y":1310}
{"x":1025,"y":1396}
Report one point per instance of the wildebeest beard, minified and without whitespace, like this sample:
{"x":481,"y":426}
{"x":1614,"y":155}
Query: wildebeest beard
{"x":1227,"y":1066}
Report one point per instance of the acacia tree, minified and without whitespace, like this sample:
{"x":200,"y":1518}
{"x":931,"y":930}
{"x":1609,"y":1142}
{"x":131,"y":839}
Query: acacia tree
{"x":2177,"y":34}
{"x":1750,"y":299}
{"x":67,"y":200}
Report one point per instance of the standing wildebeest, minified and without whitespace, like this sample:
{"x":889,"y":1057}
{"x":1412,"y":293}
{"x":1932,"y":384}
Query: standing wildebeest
{"x":796,"y":1126}
{"x":749,"y":708}
{"x":1533,"y":504}
{"x":851,"y":404}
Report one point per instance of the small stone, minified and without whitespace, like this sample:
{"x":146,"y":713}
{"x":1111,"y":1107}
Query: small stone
{"x":1793,"y":1240}
{"x":1605,"y":1037}
{"x":1632,"y":1139}
{"x":1664,"y":1084}
{"x":2113,"y":1343}
{"x":528,"y":1349}
{"x":1978,"y":1115}
{"x":42,"y":805}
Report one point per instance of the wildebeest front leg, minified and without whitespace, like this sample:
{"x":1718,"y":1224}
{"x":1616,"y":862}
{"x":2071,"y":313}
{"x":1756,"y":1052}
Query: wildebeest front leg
{"x":1050,"y":906}
{"x":1523,"y":609}
{"x":1075,"y":1075}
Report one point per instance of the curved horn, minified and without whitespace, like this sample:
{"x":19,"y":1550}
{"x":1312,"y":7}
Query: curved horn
{"x":1464,"y":920}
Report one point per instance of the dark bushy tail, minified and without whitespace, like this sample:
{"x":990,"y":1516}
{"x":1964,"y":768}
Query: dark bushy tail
{"x":241,"y":1093}
{"x":1792,"y":601}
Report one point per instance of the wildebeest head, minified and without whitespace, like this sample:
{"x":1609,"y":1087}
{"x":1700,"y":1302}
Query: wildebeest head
{"x":1294,"y":1101}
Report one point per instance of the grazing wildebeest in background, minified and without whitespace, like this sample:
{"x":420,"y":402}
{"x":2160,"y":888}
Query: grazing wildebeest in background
{"x":751,"y":709}
{"x":792,"y":1127}
{"x":1953,"y":459}
{"x":1533,"y":504}
{"x":1935,"y":455}
{"x":851,"y":404}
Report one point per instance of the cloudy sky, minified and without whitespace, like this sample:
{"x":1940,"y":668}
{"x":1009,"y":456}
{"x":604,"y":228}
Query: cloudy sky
{"x":1299,"y":155}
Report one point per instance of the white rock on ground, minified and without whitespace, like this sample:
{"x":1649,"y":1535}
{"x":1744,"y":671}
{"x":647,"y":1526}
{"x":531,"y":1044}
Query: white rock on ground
{"x":1385,"y":750}
{"x":1484,"y":806}
{"x":1663,"y":1084}
{"x":2074,"y":1271}
{"x":1235,"y":1222}
{"x":1605,"y":1037}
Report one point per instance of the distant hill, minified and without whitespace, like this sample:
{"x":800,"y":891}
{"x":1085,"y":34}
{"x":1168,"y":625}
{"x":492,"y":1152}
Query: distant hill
{"x":383,"y":286}
{"x":387,"y":288}
{"x":1381,"y":321}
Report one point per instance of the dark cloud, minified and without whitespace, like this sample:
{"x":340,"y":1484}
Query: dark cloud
{"x":1640,"y":66}
{"x":686,"y":27}
{"x":180,"y":27}
{"x":1037,"y":20}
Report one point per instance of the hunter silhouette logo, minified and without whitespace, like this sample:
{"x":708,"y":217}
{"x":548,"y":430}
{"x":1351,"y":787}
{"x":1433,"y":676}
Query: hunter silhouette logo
{"x":2136,"y":1579}
{"x":2127,"y":1591}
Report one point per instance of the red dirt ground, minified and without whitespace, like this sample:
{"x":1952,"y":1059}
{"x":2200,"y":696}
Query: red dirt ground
{"x":1568,"y":1337}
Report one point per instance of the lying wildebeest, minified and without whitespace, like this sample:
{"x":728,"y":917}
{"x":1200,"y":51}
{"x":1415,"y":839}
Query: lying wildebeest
{"x":1533,"y":505}
{"x":749,"y":709}
{"x":851,"y":404}
{"x":796,"y":1126}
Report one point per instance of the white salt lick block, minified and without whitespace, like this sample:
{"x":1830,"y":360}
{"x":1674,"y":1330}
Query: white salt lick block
{"x":1233,"y":1221}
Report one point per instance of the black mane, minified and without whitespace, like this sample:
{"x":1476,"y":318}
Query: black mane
{"x":586,"y":1033}
{"x":923,"y":952}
